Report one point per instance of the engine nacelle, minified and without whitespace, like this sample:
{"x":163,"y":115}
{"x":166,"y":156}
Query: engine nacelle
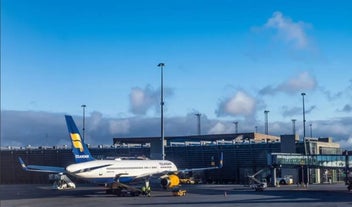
{"x":170,"y":181}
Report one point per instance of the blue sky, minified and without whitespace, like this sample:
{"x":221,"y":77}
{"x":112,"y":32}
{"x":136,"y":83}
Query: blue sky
{"x":228,"y":60}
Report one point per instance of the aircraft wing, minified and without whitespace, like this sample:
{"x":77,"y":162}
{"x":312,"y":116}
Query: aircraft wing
{"x":197,"y":169}
{"x":220,"y":165}
{"x":41,"y":168}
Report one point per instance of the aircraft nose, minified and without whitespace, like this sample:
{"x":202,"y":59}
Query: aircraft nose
{"x":174,"y":166}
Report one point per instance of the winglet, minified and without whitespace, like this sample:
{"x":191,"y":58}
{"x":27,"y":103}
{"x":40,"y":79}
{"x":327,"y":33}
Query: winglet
{"x":221,"y":161}
{"x":23,"y":165}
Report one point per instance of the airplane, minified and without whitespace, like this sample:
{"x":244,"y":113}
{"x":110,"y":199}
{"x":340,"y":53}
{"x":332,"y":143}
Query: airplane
{"x":117,"y":172}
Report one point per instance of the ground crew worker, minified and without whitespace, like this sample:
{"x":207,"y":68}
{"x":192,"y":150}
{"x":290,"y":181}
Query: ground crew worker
{"x":146,"y":190}
{"x":143,"y":190}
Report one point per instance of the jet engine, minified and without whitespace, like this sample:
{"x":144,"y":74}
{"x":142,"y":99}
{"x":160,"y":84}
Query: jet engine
{"x":170,"y":181}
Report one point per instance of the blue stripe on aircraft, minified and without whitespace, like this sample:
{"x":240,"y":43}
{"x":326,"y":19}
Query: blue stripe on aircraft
{"x":111,"y":180}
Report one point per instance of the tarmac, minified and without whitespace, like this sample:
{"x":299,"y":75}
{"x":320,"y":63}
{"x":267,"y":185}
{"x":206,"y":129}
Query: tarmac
{"x":197,"y":195}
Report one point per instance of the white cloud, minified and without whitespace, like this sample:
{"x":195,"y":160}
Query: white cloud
{"x":288,"y":30}
{"x":302,"y":82}
{"x":141,"y":100}
{"x":41,"y":128}
{"x":218,"y":128}
{"x":346,"y":144}
{"x":298,"y":83}
{"x":240,"y":104}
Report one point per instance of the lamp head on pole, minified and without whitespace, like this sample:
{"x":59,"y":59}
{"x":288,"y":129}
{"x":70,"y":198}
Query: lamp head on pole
{"x":161,"y":65}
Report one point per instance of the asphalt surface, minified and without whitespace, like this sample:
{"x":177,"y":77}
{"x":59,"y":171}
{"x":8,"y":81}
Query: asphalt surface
{"x":197,"y":195}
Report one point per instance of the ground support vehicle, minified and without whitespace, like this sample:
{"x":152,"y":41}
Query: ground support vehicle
{"x":122,"y":190}
{"x":61,"y":182}
{"x":286,"y":180}
{"x":256,"y":184}
{"x":178,"y":192}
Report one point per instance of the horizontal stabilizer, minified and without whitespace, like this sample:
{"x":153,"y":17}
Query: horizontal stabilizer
{"x":41,"y":168}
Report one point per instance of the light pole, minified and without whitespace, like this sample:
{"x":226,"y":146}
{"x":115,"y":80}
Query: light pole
{"x":304,"y":116}
{"x":293,"y":126}
{"x":84,"y":118}
{"x":198,"y":123}
{"x":304,"y":124}
{"x":266,"y":122}
{"x":161,"y":65}
{"x":304,"y":135}
{"x":236,"y":125}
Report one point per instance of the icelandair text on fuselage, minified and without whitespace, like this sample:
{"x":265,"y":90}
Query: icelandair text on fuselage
{"x":81,"y":156}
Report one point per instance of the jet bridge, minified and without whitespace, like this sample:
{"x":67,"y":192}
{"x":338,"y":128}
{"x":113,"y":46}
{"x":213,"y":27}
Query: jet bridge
{"x":307,"y":162}
{"x":312,"y":161}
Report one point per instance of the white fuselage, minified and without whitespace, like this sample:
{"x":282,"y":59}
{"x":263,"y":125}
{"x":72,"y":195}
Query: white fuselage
{"x":105,"y":171}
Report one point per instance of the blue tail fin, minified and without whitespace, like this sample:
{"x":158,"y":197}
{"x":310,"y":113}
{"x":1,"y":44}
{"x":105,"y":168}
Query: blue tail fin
{"x":79,"y":148}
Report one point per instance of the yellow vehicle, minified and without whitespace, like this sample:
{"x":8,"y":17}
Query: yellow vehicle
{"x":178,"y":192}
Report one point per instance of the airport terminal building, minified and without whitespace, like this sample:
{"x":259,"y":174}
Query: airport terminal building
{"x":244,"y":154}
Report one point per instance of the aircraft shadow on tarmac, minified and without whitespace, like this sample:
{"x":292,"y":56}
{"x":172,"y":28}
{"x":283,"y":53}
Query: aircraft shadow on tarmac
{"x":196,"y":194}
{"x":16,"y":192}
{"x":244,"y":195}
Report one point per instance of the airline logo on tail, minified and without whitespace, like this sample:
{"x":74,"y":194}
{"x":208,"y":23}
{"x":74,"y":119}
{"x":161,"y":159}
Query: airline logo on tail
{"x":76,"y":141}
{"x":79,"y":148}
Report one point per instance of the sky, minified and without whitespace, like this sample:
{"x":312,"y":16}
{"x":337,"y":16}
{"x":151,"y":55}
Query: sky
{"x":227,"y":60}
